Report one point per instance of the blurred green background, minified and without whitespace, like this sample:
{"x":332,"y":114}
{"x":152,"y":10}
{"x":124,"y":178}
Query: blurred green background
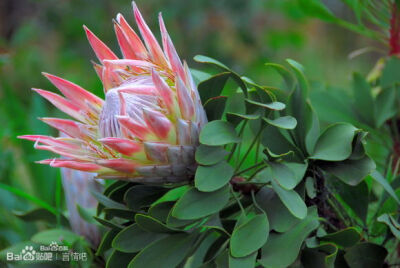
{"x":47,"y":35}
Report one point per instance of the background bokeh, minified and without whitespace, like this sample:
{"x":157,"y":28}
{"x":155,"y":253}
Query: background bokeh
{"x":47,"y":35}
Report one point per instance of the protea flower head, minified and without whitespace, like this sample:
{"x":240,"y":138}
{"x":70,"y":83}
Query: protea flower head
{"x":146,"y":128}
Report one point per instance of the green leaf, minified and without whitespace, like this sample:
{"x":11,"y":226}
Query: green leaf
{"x":106,"y":241}
{"x":334,"y":105}
{"x":236,"y":118}
{"x":244,"y":262}
{"x":133,"y":239}
{"x":173,"y":194}
{"x":215,"y":108}
{"x":119,"y":259}
{"x":382,"y":181}
{"x":357,"y":8}
{"x":335,"y":143}
{"x":108,"y":223}
{"x":366,"y":255}
{"x":313,"y":130}
{"x":298,"y":169}
{"x":139,"y":196}
{"x":386,"y":105}
{"x":285,"y":122}
{"x":119,"y":213}
{"x":358,"y":146}
{"x":177,"y":223}
{"x":198,"y":258}
{"x":292,"y":200}
{"x":217,"y":133}
{"x":205,"y":59}
{"x":356,"y":197}
{"x":363,"y":100}
{"x":211,"y":178}
{"x":151,"y":224}
{"x":351,"y":172}
{"x":213,"y":86}
{"x":199,"y":75}
{"x":288,"y":175}
{"x":276,"y":142}
{"x":316,"y":258}
{"x":301,"y":79}
{"x":391,"y":72}
{"x":284,"y":72}
{"x":167,"y":252}
{"x":195,"y":204}
{"x":315,"y":8}
{"x":310,"y":188}
{"x":249,"y":236}
{"x":345,"y":238}
{"x":235,"y":76}
{"x":60,"y":236}
{"x":40,"y":214}
{"x":222,"y":259}
{"x":104,"y":200}
{"x":392,"y":223}
{"x":26,"y":196}
{"x":160,"y":211}
{"x":298,"y":106}
{"x":283,"y":175}
{"x":113,"y":186}
{"x":87,"y":214}
{"x":210,"y":155}
{"x":236,"y":103}
{"x":319,"y":255}
{"x":277,"y":106}
{"x":281,"y":250}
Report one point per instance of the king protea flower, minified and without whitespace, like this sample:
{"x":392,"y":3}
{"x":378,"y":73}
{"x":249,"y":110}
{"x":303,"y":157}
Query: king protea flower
{"x":148,"y":125}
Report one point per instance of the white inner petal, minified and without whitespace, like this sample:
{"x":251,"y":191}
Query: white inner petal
{"x":134,"y":104}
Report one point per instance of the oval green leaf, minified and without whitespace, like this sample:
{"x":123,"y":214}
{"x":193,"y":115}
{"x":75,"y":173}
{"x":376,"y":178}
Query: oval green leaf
{"x":119,"y":259}
{"x":249,"y":236}
{"x":281,"y":250}
{"x":209,"y":155}
{"x":195,"y":204}
{"x":366,"y":255}
{"x":218,"y":132}
{"x":283,"y":175}
{"x":133,"y":239}
{"x":167,"y":252}
{"x":292,"y":200}
{"x":211,"y":178}
{"x":276,"y":105}
{"x":285,"y":122}
{"x":345,"y":238}
{"x":335,"y":143}
{"x":151,"y":224}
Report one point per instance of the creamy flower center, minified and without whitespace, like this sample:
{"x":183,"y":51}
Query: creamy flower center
{"x":129,"y":99}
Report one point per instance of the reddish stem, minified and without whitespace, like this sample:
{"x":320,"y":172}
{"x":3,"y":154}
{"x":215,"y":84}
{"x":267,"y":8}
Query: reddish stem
{"x":394,"y":40}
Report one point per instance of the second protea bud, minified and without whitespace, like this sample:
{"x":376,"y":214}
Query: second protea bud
{"x":146,"y":128}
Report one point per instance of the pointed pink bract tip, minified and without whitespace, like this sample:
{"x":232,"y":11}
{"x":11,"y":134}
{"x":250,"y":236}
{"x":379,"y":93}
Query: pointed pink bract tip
{"x":25,"y":137}
{"x":118,"y":17}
